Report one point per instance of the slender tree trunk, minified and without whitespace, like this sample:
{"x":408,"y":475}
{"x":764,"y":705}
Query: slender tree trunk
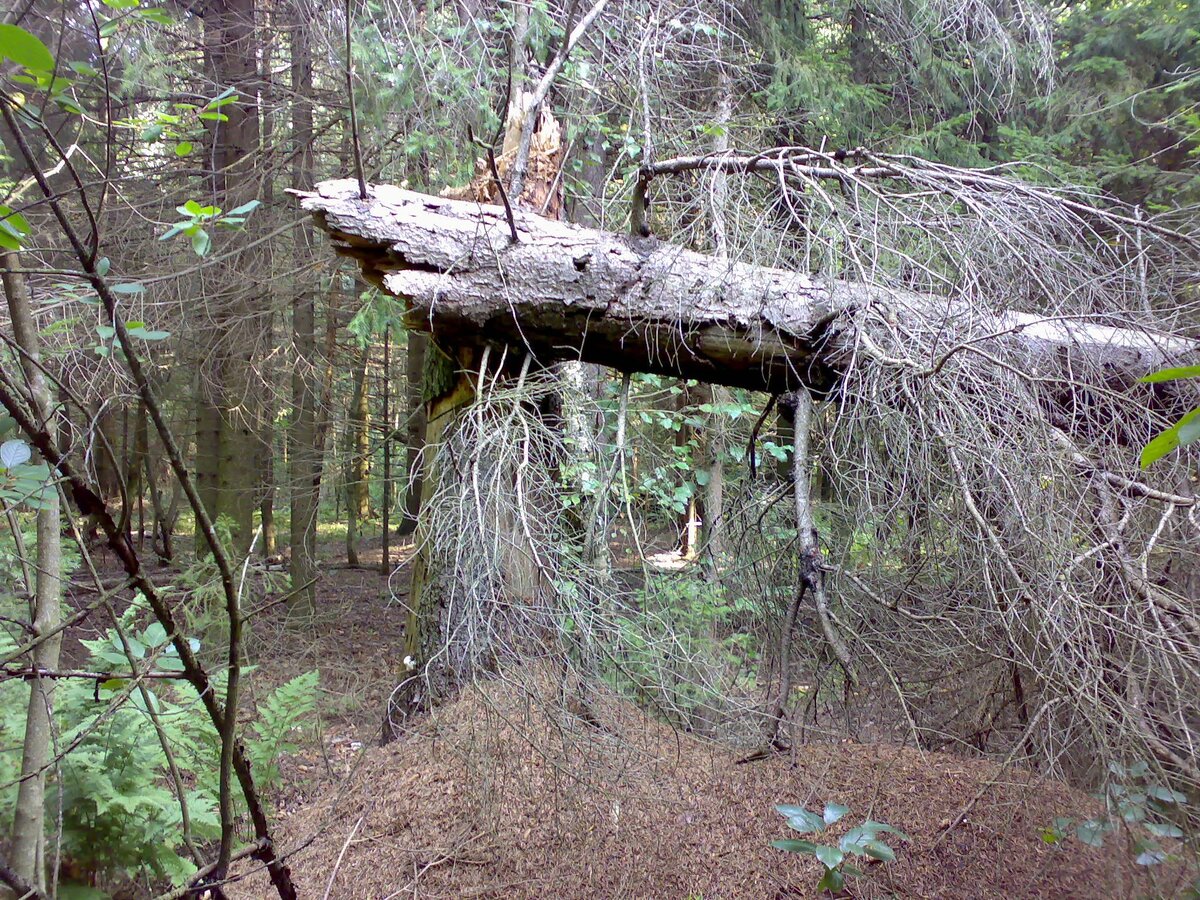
{"x":304,"y":439}
{"x":689,"y":519}
{"x":713,"y":501}
{"x":227,"y":424}
{"x":423,"y":630}
{"x":266,"y":405}
{"x":135,"y":480}
{"x":415,"y":428}
{"x":28,"y":833}
{"x":588,"y":379}
{"x":357,"y":448}
{"x":385,"y":383}
{"x":450,"y":387}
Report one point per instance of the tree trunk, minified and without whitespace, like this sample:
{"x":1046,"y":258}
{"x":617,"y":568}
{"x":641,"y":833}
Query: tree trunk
{"x":423,"y":629}
{"x":357,"y":448}
{"x":385,"y":384}
{"x":28,"y":833}
{"x":689,"y":519}
{"x":414,"y":429}
{"x":304,"y":440}
{"x":226,"y":439}
{"x":713,"y":499}
{"x":564,"y":292}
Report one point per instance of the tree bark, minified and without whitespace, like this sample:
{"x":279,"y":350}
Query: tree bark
{"x":357,"y":448}
{"x":226,"y":439}
{"x":565,"y":292}
{"x":28,"y":832}
{"x":304,"y":438}
{"x":388,"y":430}
{"x":414,"y":429}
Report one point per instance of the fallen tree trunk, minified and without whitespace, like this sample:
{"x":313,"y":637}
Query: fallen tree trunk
{"x":563,"y":292}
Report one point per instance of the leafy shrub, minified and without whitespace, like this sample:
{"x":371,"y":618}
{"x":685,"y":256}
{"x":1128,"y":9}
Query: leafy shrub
{"x":861,"y":841}
{"x":677,"y":645}
{"x":1133,"y":798}
{"x":120,"y":815}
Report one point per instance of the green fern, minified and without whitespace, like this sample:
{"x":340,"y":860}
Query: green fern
{"x":278,"y":718}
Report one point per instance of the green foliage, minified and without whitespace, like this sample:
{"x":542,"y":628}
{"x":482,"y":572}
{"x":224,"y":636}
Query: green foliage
{"x":1184,"y":432}
{"x":682,"y":645}
{"x":21,"y":483}
{"x":860,"y":841}
{"x":440,"y":374}
{"x":1132,"y":799}
{"x":197,"y":217}
{"x":377,"y":312}
{"x":24,"y":49}
{"x":272,"y":732}
{"x":13,"y":228}
{"x":121,"y":816}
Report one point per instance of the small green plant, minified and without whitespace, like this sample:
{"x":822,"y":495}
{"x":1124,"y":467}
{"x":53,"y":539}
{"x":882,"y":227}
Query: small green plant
{"x":120,"y":812}
{"x":861,"y":841}
{"x":1133,"y":798}
{"x":1184,"y":432}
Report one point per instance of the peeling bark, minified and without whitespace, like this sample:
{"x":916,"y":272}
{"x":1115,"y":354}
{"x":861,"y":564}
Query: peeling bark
{"x":637,"y":304}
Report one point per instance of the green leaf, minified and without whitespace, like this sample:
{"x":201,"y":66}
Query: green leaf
{"x":14,"y":453}
{"x":173,"y":230}
{"x":796,"y":846}
{"x":69,"y":105}
{"x":156,"y":15}
{"x":227,"y":96}
{"x":1091,"y":832}
{"x":147,"y":335}
{"x":109,"y":28}
{"x":831,"y":857}
{"x":879,"y":850}
{"x":1189,"y":431}
{"x":25,"y":49}
{"x":1149,"y":854}
{"x":875,"y":828}
{"x":103,"y":265}
{"x":86,"y":70}
{"x":191,"y":208}
{"x":1165,"y":794}
{"x":13,"y":228}
{"x":201,"y":242}
{"x":1164,"y":830}
{"x":246,"y":208}
{"x":1173,"y":374}
{"x":1159,"y":446}
{"x":833,"y":881}
{"x":834,"y":812}
{"x":800,"y":819}
{"x":183,"y":148}
{"x":152,"y":133}
{"x":128,"y":287}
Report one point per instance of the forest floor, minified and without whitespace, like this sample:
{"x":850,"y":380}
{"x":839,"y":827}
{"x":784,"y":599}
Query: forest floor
{"x":499,"y":794}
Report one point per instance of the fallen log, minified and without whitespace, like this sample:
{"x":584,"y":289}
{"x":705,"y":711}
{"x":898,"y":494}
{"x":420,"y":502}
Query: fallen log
{"x":562,"y":292}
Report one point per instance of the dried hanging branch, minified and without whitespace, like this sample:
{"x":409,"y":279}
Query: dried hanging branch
{"x":977,"y":340}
